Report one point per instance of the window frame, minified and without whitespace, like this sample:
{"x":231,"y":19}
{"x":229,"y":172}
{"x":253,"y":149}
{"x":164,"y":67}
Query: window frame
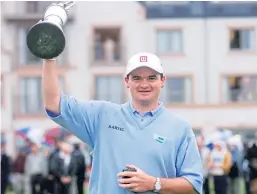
{"x":225,"y":76}
{"x":191,"y":77}
{"x":241,"y":28}
{"x":173,"y":53}
{"x":24,"y":101}
{"x":106,"y":74}
{"x":115,"y":28}
{"x":17,"y":112}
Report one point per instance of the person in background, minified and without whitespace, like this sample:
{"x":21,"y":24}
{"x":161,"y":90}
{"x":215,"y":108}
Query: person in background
{"x":219,"y":164}
{"x":204,"y":152}
{"x":246,"y":175}
{"x":252,"y":158}
{"x":52,"y":183}
{"x":65,"y":168}
{"x":18,"y":169}
{"x":236,"y":169}
{"x":80,"y":168}
{"x":253,"y":186}
{"x":5,"y":167}
{"x":36,"y":169}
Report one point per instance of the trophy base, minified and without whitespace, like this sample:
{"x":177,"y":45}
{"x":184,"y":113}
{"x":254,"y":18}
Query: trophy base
{"x":46,"y":40}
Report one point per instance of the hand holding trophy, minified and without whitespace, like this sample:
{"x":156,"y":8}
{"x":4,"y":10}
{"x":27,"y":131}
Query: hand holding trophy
{"x":46,"y":39}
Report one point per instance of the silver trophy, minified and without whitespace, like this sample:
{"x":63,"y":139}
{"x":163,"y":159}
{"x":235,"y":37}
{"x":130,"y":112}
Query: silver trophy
{"x":46,"y":39}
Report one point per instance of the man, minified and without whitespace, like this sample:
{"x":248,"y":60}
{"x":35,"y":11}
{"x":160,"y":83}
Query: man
{"x":64,"y":168}
{"x":36,"y":168}
{"x":18,"y":176}
{"x":252,"y":158}
{"x":80,"y":168}
{"x":5,"y":166}
{"x":219,"y":164}
{"x":52,"y":183}
{"x":234,"y":174}
{"x":204,"y":152}
{"x":140,"y":135}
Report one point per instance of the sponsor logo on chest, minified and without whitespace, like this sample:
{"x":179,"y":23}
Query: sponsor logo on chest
{"x":116,"y":127}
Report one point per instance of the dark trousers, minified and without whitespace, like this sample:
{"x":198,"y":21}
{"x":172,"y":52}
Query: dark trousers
{"x":220,"y":184}
{"x":247,"y":187}
{"x":57,"y":187}
{"x":4,"y":184}
{"x":206,"y":186}
{"x":49,"y":185}
{"x":37,"y":180}
{"x":80,"y":185}
{"x":64,"y":188}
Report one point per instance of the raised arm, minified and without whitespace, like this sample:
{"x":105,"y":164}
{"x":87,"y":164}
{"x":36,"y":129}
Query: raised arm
{"x":51,"y":88}
{"x":79,"y":117}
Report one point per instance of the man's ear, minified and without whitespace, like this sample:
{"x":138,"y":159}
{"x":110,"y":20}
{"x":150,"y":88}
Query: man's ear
{"x":126,"y":79}
{"x":163,"y":81}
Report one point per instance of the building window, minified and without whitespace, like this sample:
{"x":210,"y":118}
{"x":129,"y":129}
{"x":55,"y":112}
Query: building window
{"x":31,"y":100}
{"x":242,"y":39}
{"x":109,"y":88}
{"x":36,"y":7}
{"x":25,"y":56}
{"x":31,"y":94}
{"x":169,"y":41}
{"x":177,"y":90}
{"x":239,"y":89}
{"x":32,"y":6}
{"x":107,"y":45}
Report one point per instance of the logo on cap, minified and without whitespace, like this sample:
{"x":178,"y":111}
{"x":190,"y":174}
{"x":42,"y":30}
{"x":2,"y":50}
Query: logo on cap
{"x":143,"y":58}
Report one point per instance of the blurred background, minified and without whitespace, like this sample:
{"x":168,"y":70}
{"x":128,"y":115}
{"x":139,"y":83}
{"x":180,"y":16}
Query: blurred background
{"x":208,"y":50}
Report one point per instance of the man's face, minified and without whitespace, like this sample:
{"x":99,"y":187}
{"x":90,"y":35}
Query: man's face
{"x":66,"y":148}
{"x":200,"y":142}
{"x":145,"y":85}
{"x":218,"y":146}
{"x":34,"y":148}
{"x":3,"y":147}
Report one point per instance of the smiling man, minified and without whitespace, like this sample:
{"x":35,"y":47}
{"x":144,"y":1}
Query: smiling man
{"x":157,"y":148}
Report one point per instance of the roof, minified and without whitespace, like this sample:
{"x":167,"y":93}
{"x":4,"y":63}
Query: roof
{"x":199,"y":9}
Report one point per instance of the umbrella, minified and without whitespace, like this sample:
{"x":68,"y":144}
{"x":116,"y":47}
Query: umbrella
{"x":23,"y":132}
{"x":56,"y":133}
{"x":218,"y":135}
{"x":73,"y":139}
{"x":236,"y":141}
{"x":36,"y":136}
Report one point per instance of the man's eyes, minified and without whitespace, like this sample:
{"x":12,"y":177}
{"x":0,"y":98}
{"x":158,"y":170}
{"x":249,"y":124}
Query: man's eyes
{"x":154,"y":77}
{"x":136,"y":77}
{"x":151,"y":78}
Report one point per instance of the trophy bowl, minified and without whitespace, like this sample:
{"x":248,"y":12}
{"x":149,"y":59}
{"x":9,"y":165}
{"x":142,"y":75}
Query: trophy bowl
{"x":46,"y":39}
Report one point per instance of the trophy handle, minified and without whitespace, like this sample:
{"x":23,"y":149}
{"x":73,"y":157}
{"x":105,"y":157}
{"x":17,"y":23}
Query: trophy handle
{"x":67,"y":5}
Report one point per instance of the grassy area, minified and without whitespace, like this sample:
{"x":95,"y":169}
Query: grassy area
{"x":242,"y":187}
{"x":9,"y":191}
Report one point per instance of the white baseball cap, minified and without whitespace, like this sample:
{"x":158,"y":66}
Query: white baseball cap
{"x":144,"y":60}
